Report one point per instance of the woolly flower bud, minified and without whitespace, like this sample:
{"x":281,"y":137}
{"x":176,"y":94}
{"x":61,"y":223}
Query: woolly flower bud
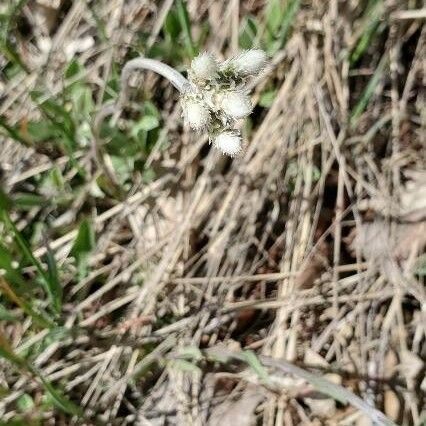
{"x":236,"y":104}
{"x":204,"y":66}
{"x":229,"y":142}
{"x":195,"y":113}
{"x":249,"y":62}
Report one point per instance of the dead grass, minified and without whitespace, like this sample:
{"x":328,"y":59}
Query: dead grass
{"x":309,"y":248}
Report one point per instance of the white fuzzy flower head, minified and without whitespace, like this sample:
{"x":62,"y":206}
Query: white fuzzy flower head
{"x":236,"y":104}
{"x":249,"y":62}
{"x":196,"y":114}
{"x":204,"y":66}
{"x":229,"y":142}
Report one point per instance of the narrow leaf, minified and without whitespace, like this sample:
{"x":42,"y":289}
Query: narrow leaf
{"x":49,"y":285}
{"x":55,"y":286}
{"x":83,"y":245}
{"x":39,"y":318}
{"x":6,"y":351}
{"x":185,"y":23}
{"x":366,"y":96}
{"x":251,"y":359}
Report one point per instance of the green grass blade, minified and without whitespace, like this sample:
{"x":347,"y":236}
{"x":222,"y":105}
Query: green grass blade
{"x":61,"y":120}
{"x":41,"y":319}
{"x":55,"y":285}
{"x":289,"y":16}
{"x":274,"y":15}
{"x":366,"y":96}
{"x":50,"y":284}
{"x":5,"y":46}
{"x":7,"y":353}
{"x":83,"y":245}
{"x":6,"y":263}
{"x":372,"y":17}
{"x":252,"y":361}
{"x":364,"y":43}
{"x":63,"y":403}
{"x":249,"y":33}
{"x":185,"y":24}
{"x":276,"y":39}
{"x":5,"y":201}
{"x":12,"y":55}
{"x":59,"y":400}
{"x":5,"y":315}
{"x":12,"y":13}
{"x":85,"y":240}
{"x":13,"y":133}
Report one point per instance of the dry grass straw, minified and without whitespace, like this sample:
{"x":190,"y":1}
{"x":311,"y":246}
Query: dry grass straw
{"x":252,"y":253}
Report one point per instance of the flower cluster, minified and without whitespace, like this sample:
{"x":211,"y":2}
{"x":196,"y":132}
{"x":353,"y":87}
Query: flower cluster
{"x":216,"y":97}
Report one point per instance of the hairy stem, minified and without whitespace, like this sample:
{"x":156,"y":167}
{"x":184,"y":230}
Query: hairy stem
{"x":175,"y":78}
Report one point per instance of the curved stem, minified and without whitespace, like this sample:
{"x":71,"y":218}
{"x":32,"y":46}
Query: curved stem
{"x":175,"y":77}
{"x":141,"y":63}
{"x":108,"y":109}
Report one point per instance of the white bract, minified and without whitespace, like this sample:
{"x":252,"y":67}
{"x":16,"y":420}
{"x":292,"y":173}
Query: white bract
{"x":195,"y":113}
{"x":236,"y":104}
{"x":215,"y":97}
{"x":204,"y":66}
{"x":249,"y":62}
{"x":229,"y":142}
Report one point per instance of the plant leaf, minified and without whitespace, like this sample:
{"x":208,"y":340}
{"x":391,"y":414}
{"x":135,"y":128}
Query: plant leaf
{"x":6,"y":351}
{"x":51,"y":285}
{"x":251,"y":359}
{"x":5,"y":315}
{"x":55,"y":286}
{"x":83,"y":245}
{"x":361,"y":105}
{"x":185,"y":24}
{"x":39,"y":318}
